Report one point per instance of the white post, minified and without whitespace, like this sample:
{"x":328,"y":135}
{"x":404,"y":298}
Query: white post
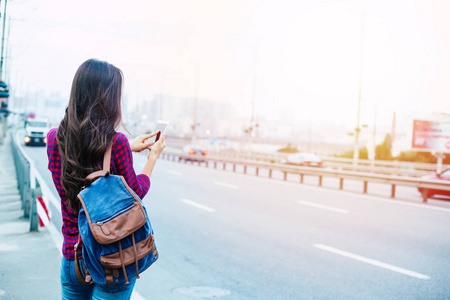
{"x":440,"y":157}
{"x":358,"y":128}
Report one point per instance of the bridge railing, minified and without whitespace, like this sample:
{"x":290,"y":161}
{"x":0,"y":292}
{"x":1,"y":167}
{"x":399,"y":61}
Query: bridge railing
{"x":364,"y":165}
{"x":31,"y":186}
{"x":425,"y":185}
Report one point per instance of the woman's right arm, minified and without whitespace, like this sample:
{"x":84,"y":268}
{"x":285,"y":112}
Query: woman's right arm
{"x":123,"y":161}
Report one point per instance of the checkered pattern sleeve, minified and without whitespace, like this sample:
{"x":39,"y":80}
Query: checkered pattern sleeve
{"x":123,"y":162}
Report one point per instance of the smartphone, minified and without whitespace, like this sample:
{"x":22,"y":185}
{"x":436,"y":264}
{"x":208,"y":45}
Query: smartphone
{"x":160,"y":126}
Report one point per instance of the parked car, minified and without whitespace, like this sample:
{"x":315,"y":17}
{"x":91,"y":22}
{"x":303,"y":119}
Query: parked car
{"x":194,"y":153}
{"x":36,"y":132}
{"x":444,"y":175}
{"x":304,"y":159}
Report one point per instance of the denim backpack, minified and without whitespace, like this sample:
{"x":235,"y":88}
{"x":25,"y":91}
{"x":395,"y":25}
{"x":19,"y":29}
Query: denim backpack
{"x":115,"y":229}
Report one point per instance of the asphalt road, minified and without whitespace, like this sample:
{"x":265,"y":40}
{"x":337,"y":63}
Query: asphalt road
{"x":262,"y":238}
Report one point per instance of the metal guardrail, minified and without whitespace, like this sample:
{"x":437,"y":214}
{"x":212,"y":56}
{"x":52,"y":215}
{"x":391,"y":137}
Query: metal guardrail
{"x":28,"y":184}
{"x":426,"y":185}
{"x":381,"y":167}
{"x":390,"y":164}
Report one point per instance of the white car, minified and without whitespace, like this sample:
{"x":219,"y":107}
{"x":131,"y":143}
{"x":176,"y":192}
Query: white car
{"x":195,"y":153}
{"x":304,"y":159}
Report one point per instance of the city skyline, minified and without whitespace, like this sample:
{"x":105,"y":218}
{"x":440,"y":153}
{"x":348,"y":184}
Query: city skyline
{"x":299,"y":62}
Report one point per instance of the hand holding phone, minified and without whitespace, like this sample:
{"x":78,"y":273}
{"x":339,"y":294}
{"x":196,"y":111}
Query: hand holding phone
{"x":161,"y":127}
{"x":157,"y":148}
{"x":141,"y":142}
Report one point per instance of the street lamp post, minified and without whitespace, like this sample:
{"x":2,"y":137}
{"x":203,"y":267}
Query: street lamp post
{"x":194,"y":113}
{"x":253,"y":125}
{"x":3,"y":41}
{"x":358,"y":129}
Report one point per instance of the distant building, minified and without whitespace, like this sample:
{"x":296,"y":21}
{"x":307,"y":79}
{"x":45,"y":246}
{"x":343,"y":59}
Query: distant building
{"x":212,"y":118}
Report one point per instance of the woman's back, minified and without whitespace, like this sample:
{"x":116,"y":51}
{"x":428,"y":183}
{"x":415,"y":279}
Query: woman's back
{"x":121,"y":164}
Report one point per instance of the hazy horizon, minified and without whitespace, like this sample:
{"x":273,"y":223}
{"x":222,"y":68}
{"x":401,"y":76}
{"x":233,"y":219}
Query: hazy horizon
{"x":301,"y":59}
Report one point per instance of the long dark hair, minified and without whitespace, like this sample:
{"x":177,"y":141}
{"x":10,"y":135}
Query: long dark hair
{"x":88,"y":127}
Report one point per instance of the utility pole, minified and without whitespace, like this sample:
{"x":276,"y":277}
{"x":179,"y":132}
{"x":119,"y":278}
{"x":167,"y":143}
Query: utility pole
{"x":253,"y":126}
{"x":161,"y":100}
{"x":372,"y":159}
{"x":194,"y":116}
{"x":4,"y":91}
{"x":3,"y":41}
{"x":7,"y":53}
{"x":358,"y":128}
{"x":310,"y":136}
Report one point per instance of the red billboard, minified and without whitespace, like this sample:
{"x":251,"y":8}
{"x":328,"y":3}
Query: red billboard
{"x":431,"y":136}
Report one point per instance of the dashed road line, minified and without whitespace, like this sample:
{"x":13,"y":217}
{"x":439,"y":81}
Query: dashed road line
{"x":198,"y":205}
{"x":228,"y":185}
{"x":372,"y":262}
{"x":326,"y":207}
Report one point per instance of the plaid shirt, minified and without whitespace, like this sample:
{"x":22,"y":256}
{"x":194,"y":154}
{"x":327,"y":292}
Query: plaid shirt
{"x":121,"y":164}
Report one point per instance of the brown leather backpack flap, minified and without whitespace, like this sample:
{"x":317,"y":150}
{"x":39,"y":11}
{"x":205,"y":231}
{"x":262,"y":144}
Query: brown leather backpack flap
{"x":120,"y":226}
{"x":143,"y":248}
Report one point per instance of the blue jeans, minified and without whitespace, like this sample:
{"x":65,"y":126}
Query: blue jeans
{"x":72,"y":288}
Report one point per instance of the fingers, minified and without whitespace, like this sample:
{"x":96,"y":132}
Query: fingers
{"x":148,"y":144}
{"x":146,"y":136}
{"x":159,"y":145}
{"x":162,"y":141}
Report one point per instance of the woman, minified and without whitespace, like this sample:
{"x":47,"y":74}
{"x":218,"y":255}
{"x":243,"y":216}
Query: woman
{"x":76,"y":149}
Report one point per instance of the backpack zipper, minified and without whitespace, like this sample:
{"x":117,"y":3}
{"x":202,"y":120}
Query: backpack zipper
{"x":100,"y":223}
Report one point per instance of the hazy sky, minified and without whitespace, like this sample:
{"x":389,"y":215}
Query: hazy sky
{"x":305,"y":54}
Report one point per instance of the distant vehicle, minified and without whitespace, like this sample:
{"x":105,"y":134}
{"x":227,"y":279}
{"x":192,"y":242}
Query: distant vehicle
{"x":196,"y":153}
{"x":304,"y":159}
{"x":36,"y":132}
{"x":444,"y":175}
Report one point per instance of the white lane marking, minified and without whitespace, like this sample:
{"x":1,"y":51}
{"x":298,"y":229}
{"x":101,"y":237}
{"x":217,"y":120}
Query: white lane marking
{"x":224,"y":184}
{"x":198,"y":205}
{"x":174,"y":173}
{"x":372,"y":262}
{"x":326,"y":207}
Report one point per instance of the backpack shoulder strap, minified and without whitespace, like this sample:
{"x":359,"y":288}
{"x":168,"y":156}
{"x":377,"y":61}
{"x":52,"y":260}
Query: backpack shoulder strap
{"x":107,"y":159}
{"x":105,"y":172}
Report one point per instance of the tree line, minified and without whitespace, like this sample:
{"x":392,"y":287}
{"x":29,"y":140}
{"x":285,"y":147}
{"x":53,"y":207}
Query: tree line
{"x":383,"y":151}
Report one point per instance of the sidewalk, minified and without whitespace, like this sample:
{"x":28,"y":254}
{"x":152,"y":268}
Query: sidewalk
{"x":29,"y":261}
